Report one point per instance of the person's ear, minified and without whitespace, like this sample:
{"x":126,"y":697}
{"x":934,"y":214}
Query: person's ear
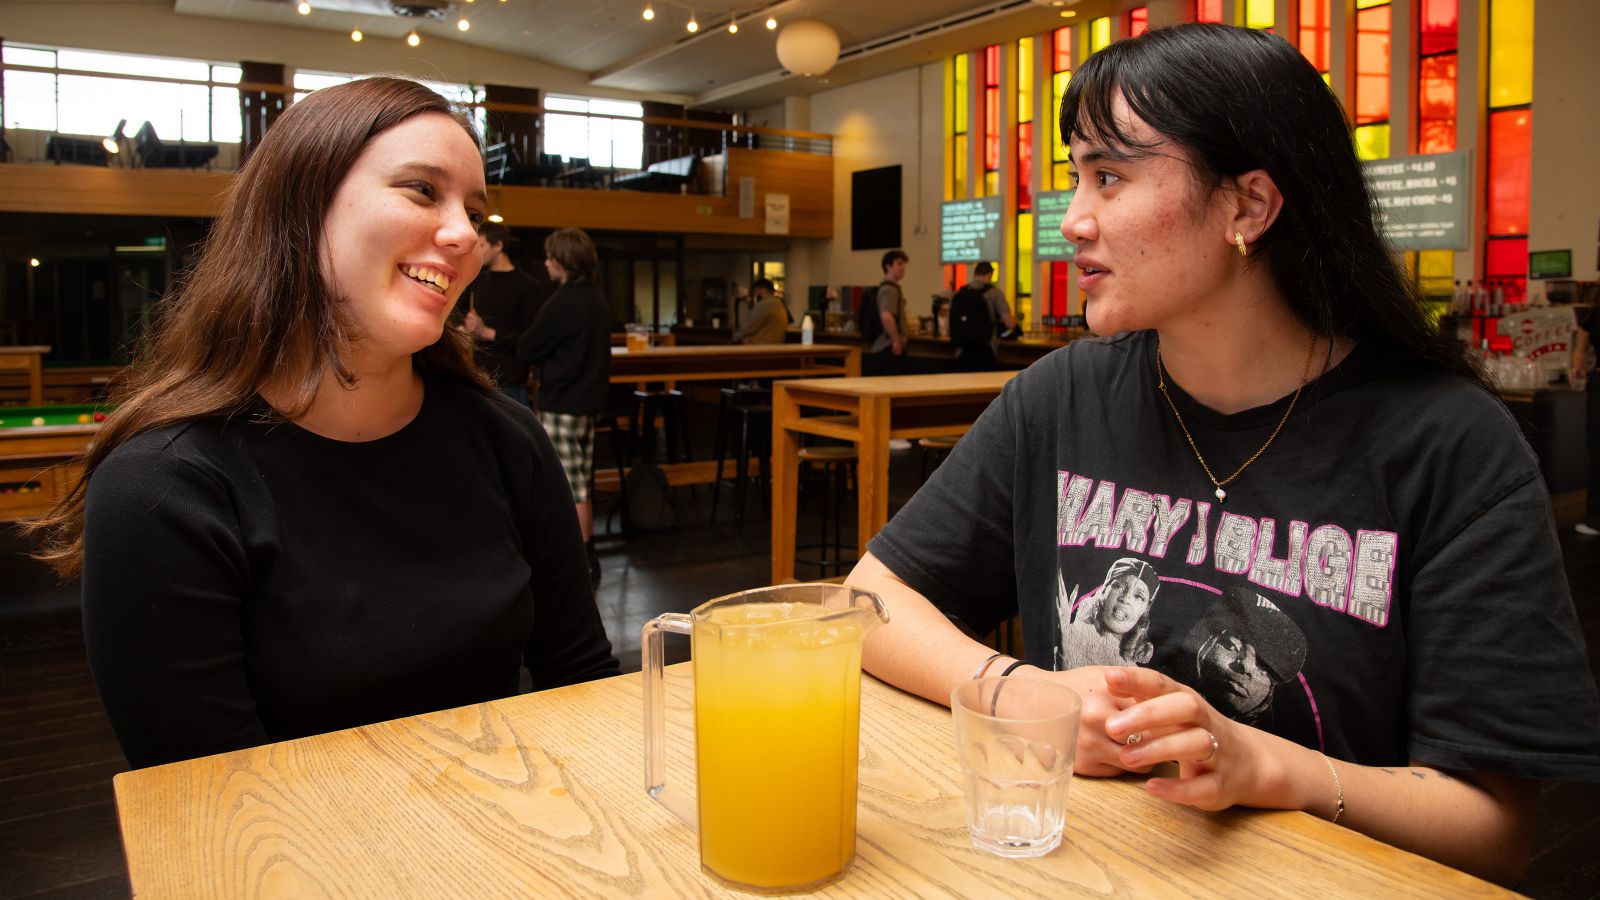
{"x":1254,"y":203}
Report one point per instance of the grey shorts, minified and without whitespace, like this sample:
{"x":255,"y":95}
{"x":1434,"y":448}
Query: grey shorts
{"x":573,"y":436}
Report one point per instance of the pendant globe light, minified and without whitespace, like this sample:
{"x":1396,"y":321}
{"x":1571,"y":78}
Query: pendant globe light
{"x":808,"y":47}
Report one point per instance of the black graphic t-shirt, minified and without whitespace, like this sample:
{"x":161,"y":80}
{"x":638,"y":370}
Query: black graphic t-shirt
{"x":1383,"y":583}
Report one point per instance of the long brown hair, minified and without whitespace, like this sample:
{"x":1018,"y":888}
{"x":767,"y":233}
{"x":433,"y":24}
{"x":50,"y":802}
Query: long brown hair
{"x":257,"y":308}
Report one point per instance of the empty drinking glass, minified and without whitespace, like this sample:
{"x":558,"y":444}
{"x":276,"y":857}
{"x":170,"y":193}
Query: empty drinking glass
{"x":1016,"y":739}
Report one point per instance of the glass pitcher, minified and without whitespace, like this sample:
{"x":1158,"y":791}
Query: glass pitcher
{"x":777,"y":714}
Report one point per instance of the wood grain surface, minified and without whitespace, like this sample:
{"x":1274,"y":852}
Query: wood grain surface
{"x":542,"y":796}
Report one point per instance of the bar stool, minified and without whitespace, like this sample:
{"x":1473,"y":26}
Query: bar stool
{"x":837,"y":464}
{"x":747,"y":411}
{"x":936,"y":449}
{"x":672,"y":409}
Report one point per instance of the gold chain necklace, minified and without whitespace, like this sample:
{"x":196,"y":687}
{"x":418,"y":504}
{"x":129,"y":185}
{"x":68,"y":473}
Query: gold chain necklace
{"x":1161,"y":382}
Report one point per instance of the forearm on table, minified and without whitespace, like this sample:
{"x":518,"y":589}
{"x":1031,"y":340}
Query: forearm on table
{"x":920,"y":650}
{"x":1476,"y":822}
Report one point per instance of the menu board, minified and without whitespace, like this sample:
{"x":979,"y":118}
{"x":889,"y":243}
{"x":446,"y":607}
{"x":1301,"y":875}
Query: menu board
{"x":1422,"y":200}
{"x":1049,"y":207}
{"x":969,"y":230}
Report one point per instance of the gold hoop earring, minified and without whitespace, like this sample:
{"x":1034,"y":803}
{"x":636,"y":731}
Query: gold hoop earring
{"x":1238,"y":241}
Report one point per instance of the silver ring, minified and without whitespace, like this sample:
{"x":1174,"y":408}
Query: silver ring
{"x":1214,"y":746}
{"x":1135,"y":738}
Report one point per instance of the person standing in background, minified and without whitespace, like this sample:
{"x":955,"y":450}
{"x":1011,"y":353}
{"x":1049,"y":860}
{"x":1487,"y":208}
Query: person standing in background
{"x":768,"y":321}
{"x":498,"y":307}
{"x":570,"y":342}
{"x":986,"y":356}
{"x":884,"y":356}
{"x":1589,"y":336}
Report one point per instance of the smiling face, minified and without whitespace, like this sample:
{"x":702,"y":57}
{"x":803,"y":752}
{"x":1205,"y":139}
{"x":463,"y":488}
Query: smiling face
{"x":400,"y":241}
{"x":1232,"y":678}
{"x":1123,"y":604}
{"x":1151,"y":247}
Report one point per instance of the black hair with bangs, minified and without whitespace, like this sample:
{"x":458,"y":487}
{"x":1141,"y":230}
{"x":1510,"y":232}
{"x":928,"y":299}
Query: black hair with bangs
{"x":1235,"y":100}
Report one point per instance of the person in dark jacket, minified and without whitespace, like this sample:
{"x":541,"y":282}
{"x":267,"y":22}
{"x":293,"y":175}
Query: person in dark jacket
{"x":570,"y":342}
{"x":498,"y":307}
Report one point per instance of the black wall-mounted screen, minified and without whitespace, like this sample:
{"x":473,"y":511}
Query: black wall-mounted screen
{"x":875,"y":209}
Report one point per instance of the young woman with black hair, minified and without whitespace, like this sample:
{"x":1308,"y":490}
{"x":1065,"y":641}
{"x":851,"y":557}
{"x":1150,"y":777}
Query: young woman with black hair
{"x":310,"y":511}
{"x":1270,"y":421}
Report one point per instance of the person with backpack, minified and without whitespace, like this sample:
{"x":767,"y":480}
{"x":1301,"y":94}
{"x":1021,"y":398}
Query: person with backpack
{"x":974,"y":312}
{"x":887,"y":330}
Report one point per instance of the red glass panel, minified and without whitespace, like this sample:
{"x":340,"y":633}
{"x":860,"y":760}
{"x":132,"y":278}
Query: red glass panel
{"x":1314,"y":32}
{"x":991,"y":65}
{"x":1058,"y":288}
{"x":1436,"y":104}
{"x":1024,"y":167}
{"x":1372,"y":65}
{"x":1510,"y":171}
{"x":991,"y":128}
{"x":1208,"y":11}
{"x":1437,"y":30}
{"x":1063,"y":50}
{"x":1138,"y":21}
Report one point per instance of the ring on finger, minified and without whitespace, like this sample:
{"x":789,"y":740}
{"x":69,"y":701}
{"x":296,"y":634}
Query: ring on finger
{"x":1134,"y":738}
{"x":1214,"y":745}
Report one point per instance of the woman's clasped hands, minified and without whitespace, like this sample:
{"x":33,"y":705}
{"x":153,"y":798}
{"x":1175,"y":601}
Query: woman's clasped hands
{"x":1136,"y":718}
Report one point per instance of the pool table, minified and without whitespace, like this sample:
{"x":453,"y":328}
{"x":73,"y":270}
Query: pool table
{"x":37,"y":447}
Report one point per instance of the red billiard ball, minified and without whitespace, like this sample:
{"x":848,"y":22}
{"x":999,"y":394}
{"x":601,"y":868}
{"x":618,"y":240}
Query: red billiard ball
{"x":99,"y":417}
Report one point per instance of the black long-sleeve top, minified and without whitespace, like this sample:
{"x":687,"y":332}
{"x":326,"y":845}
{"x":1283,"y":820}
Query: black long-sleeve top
{"x":570,"y":342}
{"x":246,"y":583}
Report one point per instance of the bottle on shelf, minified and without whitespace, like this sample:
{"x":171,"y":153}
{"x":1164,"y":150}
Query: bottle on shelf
{"x":807,"y":330}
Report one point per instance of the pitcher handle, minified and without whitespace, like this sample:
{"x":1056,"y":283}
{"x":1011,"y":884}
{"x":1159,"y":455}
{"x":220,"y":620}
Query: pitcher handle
{"x":655,"y":713}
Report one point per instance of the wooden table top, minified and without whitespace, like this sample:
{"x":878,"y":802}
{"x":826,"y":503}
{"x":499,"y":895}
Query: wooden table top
{"x":909,"y":385}
{"x":720,"y":351}
{"x":542,"y":796}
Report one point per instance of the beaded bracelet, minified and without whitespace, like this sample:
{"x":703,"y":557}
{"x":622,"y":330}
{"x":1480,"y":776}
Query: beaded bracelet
{"x":1338,"y":809}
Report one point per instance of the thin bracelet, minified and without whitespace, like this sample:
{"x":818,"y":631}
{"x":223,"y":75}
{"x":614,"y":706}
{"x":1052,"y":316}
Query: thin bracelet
{"x":994,"y":701}
{"x":1338,"y":809}
{"x":984,"y":665}
{"x":1013,"y":666}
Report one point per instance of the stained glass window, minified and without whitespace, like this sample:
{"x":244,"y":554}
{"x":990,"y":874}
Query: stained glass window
{"x":1315,"y":18}
{"x":1208,"y":11}
{"x":1138,"y":21}
{"x":1372,"y":65}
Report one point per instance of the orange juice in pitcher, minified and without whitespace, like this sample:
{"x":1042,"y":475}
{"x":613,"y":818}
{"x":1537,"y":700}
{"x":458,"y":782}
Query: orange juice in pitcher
{"x":777,"y":699}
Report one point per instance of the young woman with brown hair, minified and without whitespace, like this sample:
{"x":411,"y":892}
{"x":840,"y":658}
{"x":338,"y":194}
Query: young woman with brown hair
{"x":309,"y":510}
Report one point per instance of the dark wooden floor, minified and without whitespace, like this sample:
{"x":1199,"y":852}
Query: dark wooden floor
{"x":58,"y":826}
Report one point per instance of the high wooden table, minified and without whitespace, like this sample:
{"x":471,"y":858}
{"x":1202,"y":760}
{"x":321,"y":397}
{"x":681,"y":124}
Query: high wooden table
{"x":734,"y":361}
{"x":867,"y":412}
{"x":28,"y":359}
{"x":542,"y":796}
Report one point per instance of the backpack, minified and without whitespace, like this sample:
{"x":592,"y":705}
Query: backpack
{"x":868,"y":322}
{"x":649,"y":498}
{"x":971,"y":325}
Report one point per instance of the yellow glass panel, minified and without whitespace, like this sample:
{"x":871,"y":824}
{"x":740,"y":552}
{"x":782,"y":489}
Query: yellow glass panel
{"x":961,"y":93}
{"x":1368,"y":4}
{"x":1099,"y":34}
{"x":1510,"y":53}
{"x":1327,"y":79}
{"x":1372,"y":141}
{"x":958,"y":173}
{"x":1061,"y":176}
{"x":1436,"y":272}
{"x":1025,"y":264}
{"x":1025,"y":80}
{"x":1058,"y":149}
{"x":950,"y":127}
{"x":991,"y":184}
{"x":1258,"y":14}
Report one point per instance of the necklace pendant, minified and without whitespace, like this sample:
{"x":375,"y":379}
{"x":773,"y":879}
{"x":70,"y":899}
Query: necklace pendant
{"x":1221,"y":494}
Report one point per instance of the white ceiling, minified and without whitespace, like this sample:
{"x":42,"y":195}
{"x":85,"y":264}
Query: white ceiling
{"x":611,"y":43}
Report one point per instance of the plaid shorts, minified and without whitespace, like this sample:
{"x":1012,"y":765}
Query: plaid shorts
{"x":573,"y":436}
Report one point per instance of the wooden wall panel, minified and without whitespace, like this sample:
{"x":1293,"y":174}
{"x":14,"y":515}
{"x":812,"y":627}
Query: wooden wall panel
{"x":44,"y":187}
{"x":806,"y":178}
